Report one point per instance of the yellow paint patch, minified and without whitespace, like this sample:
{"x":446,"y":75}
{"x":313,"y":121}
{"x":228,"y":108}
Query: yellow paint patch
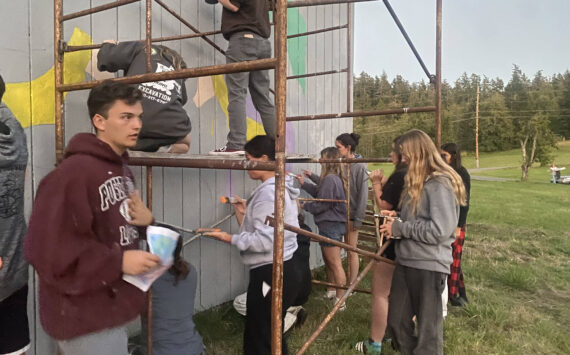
{"x":221,"y":91}
{"x":34,"y":103}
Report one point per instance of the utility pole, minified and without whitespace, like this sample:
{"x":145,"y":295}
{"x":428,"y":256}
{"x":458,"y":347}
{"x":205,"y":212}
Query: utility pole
{"x":477,"y":130}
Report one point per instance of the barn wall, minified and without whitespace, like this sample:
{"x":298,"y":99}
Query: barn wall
{"x":185,"y":197}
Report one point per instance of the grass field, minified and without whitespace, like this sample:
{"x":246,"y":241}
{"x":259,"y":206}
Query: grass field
{"x":517,"y":272}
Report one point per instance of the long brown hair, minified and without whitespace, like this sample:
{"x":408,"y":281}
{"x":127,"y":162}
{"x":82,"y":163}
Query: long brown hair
{"x":172,"y":56}
{"x":425,"y":162}
{"x":332,"y":168}
{"x":180,"y":267}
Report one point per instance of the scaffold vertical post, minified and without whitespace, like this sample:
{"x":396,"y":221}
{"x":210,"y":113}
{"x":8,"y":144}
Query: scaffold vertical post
{"x":148,"y":39}
{"x":58,"y":76}
{"x":149,"y":294}
{"x":438,"y":75}
{"x":280,"y":17}
{"x":349,"y":57}
{"x":349,"y":255}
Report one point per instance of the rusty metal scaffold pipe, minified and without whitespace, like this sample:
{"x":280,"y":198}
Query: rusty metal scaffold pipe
{"x":179,"y":161}
{"x":438,"y":75}
{"x":337,"y":306}
{"x":303,"y":3}
{"x":189,"y":25}
{"x":237,"y":67}
{"x":348,"y":225}
{"x":58,"y":79}
{"x":209,"y":162}
{"x":149,"y":294}
{"x":280,"y":38}
{"x":349,"y":58}
{"x":148,"y":38}
{"x":94,"y":10}
{"x":394,"y":111}
{"x":344,"y":287}
{"x":199,"y":34}
{"x":319,"y":238}
{"x":154,"y":40}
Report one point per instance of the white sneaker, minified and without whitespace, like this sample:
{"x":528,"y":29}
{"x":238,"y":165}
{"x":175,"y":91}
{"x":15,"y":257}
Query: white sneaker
{"x":226,"y":151}
{"x":343,"y":307}
{"x":289,"y":321}
{"x":330,"y":294}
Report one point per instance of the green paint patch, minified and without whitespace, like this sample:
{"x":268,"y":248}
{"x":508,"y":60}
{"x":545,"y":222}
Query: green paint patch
{"x":296,"y":47}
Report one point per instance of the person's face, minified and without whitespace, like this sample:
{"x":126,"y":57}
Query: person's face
{"x":255,"y":174}
{"x":122,"y":126}
{"x":394,"y":156}
{"x":344,"y":151}
{"x":446,"y":156}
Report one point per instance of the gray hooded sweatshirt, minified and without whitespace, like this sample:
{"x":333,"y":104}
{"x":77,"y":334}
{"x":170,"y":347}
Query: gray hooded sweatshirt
{"x":13,"y":161}
{"x":255,"y":238}
{"x":428,"y":234}
{"x":358,"y":191}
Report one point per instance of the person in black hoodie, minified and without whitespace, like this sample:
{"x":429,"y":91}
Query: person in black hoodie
{"x":15,"y":338}
{"x":85,"y":228}
{"x":455,"y":283}
{"x":166,"y":125}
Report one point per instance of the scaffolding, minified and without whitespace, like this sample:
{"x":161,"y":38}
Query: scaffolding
{"x":279,"y":64}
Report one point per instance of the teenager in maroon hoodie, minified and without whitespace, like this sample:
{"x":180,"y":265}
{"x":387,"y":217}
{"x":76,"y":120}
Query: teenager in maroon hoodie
{"x":80,"y":239}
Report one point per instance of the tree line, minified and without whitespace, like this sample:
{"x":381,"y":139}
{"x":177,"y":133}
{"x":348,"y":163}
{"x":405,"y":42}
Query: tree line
{"x":530,"y":114}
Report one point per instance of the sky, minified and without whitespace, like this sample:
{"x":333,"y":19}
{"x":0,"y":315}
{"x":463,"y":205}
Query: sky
{"x":484,"y":37}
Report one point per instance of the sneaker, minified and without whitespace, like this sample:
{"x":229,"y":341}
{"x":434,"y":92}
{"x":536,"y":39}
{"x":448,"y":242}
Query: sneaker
{"x":289,"y":321}
{"x":301,"y":317}
{"x":458,"y":301}
{"x":330,"y":294}
{"x":226,"y":151}
{"x":164,"y":149}
{"x":368,"y":346}
{"x":343,"y":307}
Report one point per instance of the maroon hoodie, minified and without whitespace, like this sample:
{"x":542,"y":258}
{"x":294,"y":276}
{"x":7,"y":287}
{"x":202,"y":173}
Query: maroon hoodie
{"x":76,"y":238}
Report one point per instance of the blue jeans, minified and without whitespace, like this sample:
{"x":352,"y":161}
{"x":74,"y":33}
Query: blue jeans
{"x":332,"y":230}
{"x":245,"y":46}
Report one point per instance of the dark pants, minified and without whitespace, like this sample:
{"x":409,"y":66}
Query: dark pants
{"x":301,"y":261}
{"x":257,"y":334}
{"x":248,"y":46}
{"x":416,"y":292}
{"x":14,"y":330}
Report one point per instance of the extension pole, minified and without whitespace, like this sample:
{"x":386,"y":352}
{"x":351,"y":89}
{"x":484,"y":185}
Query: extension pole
{"x":280,"y":17}
{"x":335,"y":309}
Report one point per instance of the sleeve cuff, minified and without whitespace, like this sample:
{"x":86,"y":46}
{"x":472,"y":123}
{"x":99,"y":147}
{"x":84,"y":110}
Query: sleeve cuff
{"x":397,"y":228}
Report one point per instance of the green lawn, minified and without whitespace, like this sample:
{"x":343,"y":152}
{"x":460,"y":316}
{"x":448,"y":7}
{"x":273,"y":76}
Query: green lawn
{"x":517,"y":272}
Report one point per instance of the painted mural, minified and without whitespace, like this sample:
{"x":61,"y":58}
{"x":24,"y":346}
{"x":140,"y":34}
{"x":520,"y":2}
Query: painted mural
{"x":184,"y":197}
{"x":39,"y":109}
